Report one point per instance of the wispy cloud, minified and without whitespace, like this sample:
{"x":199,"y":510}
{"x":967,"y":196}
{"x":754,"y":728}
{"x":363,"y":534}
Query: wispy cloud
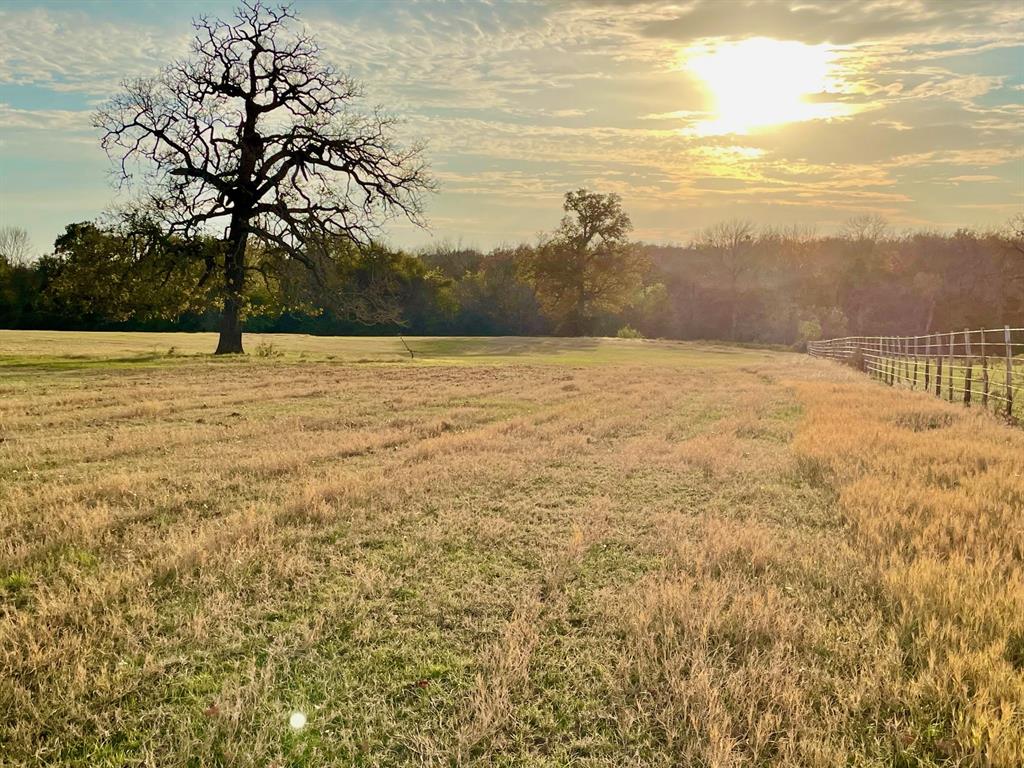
{"x":68,"y":50}
{"x":519,"y":102}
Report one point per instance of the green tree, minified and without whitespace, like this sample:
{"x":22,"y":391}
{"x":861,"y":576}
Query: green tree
{"x":131,"y":270}
{"x":494,"y":299}
{"x":370,"y":285}
{"x":587,"y":266}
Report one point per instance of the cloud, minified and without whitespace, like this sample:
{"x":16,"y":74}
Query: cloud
{"x":840,"y":21}
{"x":43,"y":119}
{"x":70,"y":51}
{"x":976,"y":177}
{"x":520,"y":102}
{"x":679,"y":114}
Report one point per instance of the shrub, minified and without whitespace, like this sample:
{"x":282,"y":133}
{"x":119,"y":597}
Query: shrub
{"x":809,"y":330}
{"x":629,"y":332}
{"x":266,"y":349}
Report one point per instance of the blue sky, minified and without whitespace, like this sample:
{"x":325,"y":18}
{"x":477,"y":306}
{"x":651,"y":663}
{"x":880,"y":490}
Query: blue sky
{"x":920,"y":116}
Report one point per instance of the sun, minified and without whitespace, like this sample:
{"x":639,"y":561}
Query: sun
{"x":760,"y":82}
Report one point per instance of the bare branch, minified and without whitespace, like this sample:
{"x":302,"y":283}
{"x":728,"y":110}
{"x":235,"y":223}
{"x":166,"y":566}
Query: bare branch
{"x":254,"y":135}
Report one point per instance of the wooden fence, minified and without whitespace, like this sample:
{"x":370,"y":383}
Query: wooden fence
{"x":982,"y":368}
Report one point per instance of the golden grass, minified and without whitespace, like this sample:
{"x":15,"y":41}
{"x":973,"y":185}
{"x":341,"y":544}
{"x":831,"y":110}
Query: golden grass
{"x":934,"y":496}
{"x":537,"y":553}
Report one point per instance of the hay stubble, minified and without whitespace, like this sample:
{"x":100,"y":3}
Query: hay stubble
{"x":695,"y":559}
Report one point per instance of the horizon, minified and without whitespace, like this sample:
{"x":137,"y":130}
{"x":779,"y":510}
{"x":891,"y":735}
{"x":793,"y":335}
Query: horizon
{"x":782,"y":117}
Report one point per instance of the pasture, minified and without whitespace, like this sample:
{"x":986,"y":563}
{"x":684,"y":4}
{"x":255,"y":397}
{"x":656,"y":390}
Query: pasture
{"x":519,"y":552}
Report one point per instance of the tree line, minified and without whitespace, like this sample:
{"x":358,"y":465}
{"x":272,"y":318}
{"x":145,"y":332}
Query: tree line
{"x":735,"y":281}
{"x":261,"y":188}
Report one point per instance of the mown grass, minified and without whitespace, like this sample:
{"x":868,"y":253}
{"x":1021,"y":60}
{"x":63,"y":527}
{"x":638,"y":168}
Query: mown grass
{"x":503,"y":552}
{"x":57,"y":349}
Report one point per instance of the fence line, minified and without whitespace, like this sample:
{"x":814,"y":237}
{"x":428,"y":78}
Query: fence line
{"x":976,"y":367}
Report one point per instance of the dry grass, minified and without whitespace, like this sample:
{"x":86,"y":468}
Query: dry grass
{"x":509,"y":552}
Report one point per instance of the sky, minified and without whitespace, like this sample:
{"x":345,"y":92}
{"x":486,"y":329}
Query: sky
{"x":802,"y":112}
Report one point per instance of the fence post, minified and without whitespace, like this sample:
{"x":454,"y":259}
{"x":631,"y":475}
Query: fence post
{"x":901,"y":345}
{"x":909,"y":356}
{"x":897,"y":360}
{"x":938,"y":366}
{"x":905,"y":348}
{"x":952,"y":365}
{"x":917,"y":344}
{"x":984,"y":371}
{"x":1009,"y":371}
{"x":967,"y":370}
{"x":909,"y":359}
{"x":891,"y":360}
{"x":928,"y":363}
{"x":894,"y":359}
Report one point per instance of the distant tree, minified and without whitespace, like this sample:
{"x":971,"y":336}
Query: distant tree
{"x":15,"y":247}
{"x":452,"y":259}
{"x":131,"y":269}
{"x":865,"y":270}
{"x":495,"y":299}
{"x":650,"y":313}
{"x":1012,"y":238}
{"x":808,"y":330}
{"x":869,"y":227}
{"x":731,"y":245}
{"x":587,"y":266}
{"x":255,"y":134}
{"x":21,"y":299}
{"x":369,"y":285}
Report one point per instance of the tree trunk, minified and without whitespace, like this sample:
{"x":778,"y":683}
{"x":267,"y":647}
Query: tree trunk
{"x":733,"y":307}
{"x":230,"y":342}
{"x":931,"y":316}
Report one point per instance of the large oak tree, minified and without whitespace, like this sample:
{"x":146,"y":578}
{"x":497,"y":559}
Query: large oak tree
{"x":254,"y":136}
{"x":587,"y":266}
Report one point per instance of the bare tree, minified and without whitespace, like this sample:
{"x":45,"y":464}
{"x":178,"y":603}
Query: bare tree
{"x":1013,"y":239}
{"x":732,"y":245}
{"x":869,"y":227}
{"x":15,"y":247}
{"x":255,"y":134}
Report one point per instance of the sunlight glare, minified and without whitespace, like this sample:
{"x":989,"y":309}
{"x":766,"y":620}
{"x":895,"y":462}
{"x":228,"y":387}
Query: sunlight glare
{"x":761,"y":82}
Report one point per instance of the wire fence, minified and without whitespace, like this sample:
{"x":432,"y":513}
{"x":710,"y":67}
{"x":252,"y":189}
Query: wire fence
{"x":983,"y":368}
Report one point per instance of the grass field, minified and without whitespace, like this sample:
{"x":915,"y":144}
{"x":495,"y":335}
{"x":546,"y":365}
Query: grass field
{"x":513,"y":552}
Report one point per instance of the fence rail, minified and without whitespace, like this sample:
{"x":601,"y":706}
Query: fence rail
{"x":980,"y":367}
